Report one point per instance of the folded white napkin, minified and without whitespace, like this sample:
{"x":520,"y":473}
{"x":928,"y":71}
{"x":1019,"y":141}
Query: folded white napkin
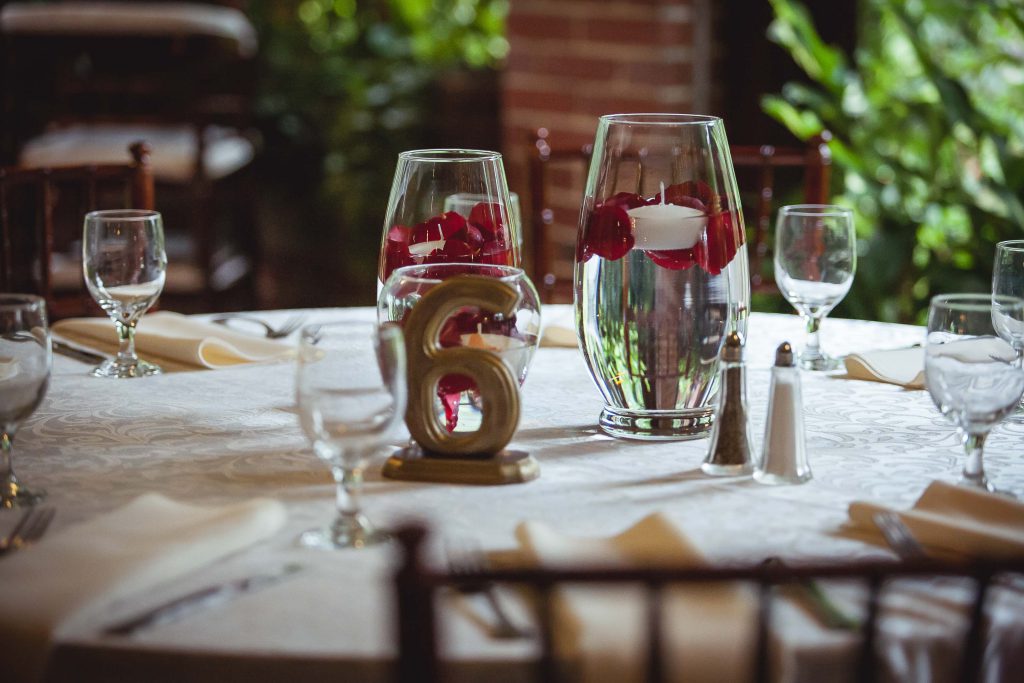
{"x":904,"y":367}
{"x":83,"y":568}
{"x":955,"y":519}
{"x":708,"y":630}
{"x":559,"y":328}
{"x":176,"y":342}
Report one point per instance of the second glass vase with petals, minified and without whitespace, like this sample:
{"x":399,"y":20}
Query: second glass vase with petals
{"x":661,"y":271}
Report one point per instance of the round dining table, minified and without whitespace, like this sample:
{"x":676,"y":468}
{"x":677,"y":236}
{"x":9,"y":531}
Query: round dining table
{"x":220,"y":436}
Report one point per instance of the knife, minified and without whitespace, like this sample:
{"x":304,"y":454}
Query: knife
{"x":210,"y":596}
{"x":65,"y":349}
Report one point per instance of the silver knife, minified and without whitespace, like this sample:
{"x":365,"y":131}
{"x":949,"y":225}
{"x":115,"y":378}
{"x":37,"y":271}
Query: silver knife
{"x":204,"y":597}
{"x":65,"y":349}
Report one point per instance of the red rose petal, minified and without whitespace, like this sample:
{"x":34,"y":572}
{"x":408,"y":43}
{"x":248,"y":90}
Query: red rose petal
{"x":427,"y":231}
{"x":457,"y":250}
{"x":486,"y":216}
{"x":608,"y":233}
{"x":495,"y":253}
{"x":625,"y":199}
{"x":399,"y":234}
{"x":451,"y":223}
{"x":696,"y":189}
{"x":673,"y":259}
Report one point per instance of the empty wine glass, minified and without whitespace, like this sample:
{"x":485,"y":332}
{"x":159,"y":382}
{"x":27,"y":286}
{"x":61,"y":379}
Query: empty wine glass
{"x":972,"y":375}
{"x":351,"y":394}
{"x":815,"y":259}
{"x":125,"y":264}
{"x":25,"y":359}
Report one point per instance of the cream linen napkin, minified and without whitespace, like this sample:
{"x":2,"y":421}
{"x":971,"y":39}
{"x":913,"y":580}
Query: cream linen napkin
{"x":904,"y":367}
{"x":560,"y":328}
{"x":708,"y":630}
{"x":955,"y":519}
{"x":176,"y":341}
{"x":76,"y":571}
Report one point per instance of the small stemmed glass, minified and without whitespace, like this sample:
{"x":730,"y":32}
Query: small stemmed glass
{"x":815,"y":259}
{"x":973,"y":376}
{"x":351,"y":394}
{"x":125,"y":265}
{"x":1008,"y":281}
{"x":25,"y":359}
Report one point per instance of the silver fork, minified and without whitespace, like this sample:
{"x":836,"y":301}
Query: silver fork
{"x":30,"y":528}
{"x":467,"y":562}
{"x":285,"y":329}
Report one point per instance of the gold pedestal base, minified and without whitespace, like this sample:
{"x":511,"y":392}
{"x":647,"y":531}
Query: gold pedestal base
{"x":504,"y":467}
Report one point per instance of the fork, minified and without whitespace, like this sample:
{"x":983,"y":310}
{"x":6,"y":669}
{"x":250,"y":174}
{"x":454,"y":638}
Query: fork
{"x":466,"y":563}
{"x":30,"y":527}
{"x":286,"y":328}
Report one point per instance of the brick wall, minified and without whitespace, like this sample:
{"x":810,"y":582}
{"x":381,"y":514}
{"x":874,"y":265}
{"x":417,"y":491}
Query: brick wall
{"x":574,"y":60}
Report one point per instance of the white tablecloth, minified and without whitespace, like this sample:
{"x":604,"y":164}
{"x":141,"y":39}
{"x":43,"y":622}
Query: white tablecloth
{"x":224,"y":435}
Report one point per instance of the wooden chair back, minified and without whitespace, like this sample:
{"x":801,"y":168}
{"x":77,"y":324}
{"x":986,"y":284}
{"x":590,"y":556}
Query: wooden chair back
{"x":758,"y":170}
{"x":41,"y":212}
{"x":417,"y":586}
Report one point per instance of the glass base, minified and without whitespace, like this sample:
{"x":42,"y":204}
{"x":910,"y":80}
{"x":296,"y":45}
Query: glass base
{"x":819,"y":363}
{"x":771,"y":479}
{"x":979,"y":482}
{"x":354,"y":532}
{"x":661,"y":425}
{"x":714,"y":470}
{"x":115,"y":368}
{"x":19,"y":497}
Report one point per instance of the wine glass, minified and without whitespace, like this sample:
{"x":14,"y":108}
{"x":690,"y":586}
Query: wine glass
{"x":351,"y":394}
{"x":125,"y":265}
{"x":972,"y":375}
{"x":25,"y":359}
{"x":815,"y":259}
{"x":430,"y":221}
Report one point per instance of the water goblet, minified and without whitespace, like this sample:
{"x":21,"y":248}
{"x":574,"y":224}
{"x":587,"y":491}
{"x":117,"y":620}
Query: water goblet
{"x":449,"y":206}
{"x":815,"y":259}
{"x":971,"y":374}
{"x":25,"y":359}
{"x":124,"y":266}
{"x":351,"y":393}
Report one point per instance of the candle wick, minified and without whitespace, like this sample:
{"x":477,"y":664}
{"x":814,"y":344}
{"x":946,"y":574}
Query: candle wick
{"x":663,"y":193}
{"x":479,"y":328}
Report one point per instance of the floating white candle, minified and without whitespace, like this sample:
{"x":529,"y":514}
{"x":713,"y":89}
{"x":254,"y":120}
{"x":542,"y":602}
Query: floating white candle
{"x":425,"y":248}
{"x":666,"y":226}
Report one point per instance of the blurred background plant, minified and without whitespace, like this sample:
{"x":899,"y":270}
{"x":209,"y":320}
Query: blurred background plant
{"x":928,"y":141}
{"x":345,"y":86}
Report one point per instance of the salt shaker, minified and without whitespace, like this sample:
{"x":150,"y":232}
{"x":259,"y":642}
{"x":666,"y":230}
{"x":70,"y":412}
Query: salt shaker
{"x":784,"y":460}
{"x":730,"y":453}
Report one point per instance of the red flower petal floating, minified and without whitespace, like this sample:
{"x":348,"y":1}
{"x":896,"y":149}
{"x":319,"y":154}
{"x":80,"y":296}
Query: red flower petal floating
{"x":608,"y":233}
{"x":674,"y":259}
{"x":486,"y":217}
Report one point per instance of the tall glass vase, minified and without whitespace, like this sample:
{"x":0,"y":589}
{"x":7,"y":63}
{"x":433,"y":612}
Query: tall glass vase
{"x":661,"y":271}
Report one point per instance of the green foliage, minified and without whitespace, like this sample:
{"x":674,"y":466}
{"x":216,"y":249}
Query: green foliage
{"x":928,"y":140}
{"x":345,"y":87}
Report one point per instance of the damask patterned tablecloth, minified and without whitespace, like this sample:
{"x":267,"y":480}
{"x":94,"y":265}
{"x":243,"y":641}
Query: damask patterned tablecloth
{"x":225,"y":435}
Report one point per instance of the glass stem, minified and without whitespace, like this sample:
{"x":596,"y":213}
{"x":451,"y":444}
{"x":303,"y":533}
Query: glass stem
{"x":974,"y":471}
{"x":126,"y":339}
{"x":348,"y":489}
{"x":812,"y":348}
{"x":8,"y":482}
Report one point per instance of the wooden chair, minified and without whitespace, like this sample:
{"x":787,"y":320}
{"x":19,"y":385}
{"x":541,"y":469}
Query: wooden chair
{"x":41,"y":211}
{"x":85,"y":79}
{"x":757,"y":170}
{"x":416,"y":587}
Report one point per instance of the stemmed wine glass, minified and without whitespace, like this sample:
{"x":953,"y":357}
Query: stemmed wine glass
{"x":815,"y":259}
{"x":125,"y":265}
{"x":972,"y":375}
{"x":25,"y":359}
{"x":351,"y":394}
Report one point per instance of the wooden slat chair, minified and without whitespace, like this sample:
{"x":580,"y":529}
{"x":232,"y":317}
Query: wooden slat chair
{"x":416,"y":587}
{"x":41,"y":217}
{"x":757,"y":170}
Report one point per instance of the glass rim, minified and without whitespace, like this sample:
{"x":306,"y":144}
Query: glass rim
{"x":1011,"y":245}
{"x":452,"y":155}
{"x":123,"y":214}
{"x":661,"y":119}
{"x":815,"y":210}
{"x":309,"y":329}
{"x":11,"y":301}
{"x":973,"y":301}
{"x":511,"y":272}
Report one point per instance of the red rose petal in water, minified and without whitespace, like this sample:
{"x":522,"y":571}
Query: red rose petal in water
{"x":625,"y":199}
{"x":609,"y":233}
{"x":457,"y":251}
{"x":673,"y":259}
{"x":696,"y":189}
{"x":486,"y":216}
{"x":495,"y":253}
{"x":451,"y":223}
{"x":427,"y":231}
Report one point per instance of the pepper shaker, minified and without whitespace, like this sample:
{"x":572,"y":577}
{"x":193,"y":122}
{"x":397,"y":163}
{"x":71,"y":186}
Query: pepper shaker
{"x":730,"y":453}
{"x":784,"y":459}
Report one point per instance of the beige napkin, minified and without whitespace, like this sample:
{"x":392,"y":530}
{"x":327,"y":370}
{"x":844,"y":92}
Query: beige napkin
{"x":83,"y":568}
{"x":904,"y":367}
{"x":708,"y":632}
{"x":176,"y":342}
{"x":559,"y":328}
{"x":955,"y":519}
